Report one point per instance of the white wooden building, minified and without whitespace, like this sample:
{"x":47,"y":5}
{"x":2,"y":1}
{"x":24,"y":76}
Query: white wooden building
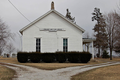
{"x":52,"y":32}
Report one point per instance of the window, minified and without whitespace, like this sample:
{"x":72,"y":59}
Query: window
{"x":65,"y":45}
{"x":38,"y":45}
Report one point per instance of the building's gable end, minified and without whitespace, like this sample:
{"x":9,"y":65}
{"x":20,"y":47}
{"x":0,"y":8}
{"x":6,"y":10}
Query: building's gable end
{"x":46,"y":14}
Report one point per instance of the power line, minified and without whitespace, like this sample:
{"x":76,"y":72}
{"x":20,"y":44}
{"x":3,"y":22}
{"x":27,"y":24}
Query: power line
{"x":20,"y":11}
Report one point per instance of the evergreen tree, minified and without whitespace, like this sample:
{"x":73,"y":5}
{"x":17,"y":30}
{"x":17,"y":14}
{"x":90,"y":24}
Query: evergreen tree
{"x":100,"y":32}
{"x":68,"y":16}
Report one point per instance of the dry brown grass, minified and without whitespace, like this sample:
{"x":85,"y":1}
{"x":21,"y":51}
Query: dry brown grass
{"x":96,"y":74}
{"x":46,"y":66}
{"x":6,"y":73}
{"x":52,"y":66}
{"x":106,"y":60}
{"x":105,"y":73}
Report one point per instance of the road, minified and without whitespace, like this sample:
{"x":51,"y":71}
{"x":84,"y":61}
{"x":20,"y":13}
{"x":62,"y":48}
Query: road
{"x":31,"y":73}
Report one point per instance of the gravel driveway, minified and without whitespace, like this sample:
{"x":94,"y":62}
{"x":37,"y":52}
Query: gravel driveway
{"x":30,"y":73}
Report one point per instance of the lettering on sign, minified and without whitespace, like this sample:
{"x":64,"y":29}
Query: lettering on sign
{"x":52,"y":29}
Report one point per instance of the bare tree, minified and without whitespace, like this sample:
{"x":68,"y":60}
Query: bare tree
{"x":113,"y":30}
{"x":4,"y":35}
{"x":86,"y":35}
{"x":10,"y":48}
{"x":2,"y":45}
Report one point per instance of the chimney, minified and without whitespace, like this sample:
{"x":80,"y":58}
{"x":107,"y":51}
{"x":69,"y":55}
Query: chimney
{"x":52,"y":5}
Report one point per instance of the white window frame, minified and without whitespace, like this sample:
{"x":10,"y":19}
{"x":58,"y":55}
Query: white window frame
{"x":65,"y":45}
{"x":38,"y":44}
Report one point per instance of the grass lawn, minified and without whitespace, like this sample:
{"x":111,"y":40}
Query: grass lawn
{"x":46,"y":66}
{"x":6,"y":73}
{"x":105,"y":73}
{"x":52,"y":66}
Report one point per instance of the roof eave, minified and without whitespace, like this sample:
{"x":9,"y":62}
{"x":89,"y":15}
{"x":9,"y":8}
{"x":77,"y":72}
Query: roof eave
{"x":32,"y":23}
{"x":38,"y":19}
{"x":70,"y":21}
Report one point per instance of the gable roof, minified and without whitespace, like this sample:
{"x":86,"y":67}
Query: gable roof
{"x":56,"y":12}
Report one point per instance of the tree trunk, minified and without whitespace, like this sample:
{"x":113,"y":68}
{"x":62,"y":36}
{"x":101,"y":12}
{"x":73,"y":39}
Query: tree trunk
{"x":98,"y":51}
{"x":98,"y":42}
{"x":87,"y":47}
{"x":110,"y":53}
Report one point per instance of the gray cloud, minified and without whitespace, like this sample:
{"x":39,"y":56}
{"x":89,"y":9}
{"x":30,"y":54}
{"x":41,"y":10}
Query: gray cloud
{"x":32,"y":9}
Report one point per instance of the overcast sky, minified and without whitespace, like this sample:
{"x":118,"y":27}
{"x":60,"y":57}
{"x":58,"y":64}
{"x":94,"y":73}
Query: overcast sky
{"x":32,"y":9}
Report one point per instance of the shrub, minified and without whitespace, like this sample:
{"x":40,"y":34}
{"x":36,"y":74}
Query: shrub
{"x":22,"y":57}
{"x":105,"y":54}
{"x":60,"y":57}
{"x":48,"y":57}
{"x":85,"y":57}
{"x":97,"y":55}
{"x":73,"y":57}
{"x":35,"y":57}
{"x":8,"y":55}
